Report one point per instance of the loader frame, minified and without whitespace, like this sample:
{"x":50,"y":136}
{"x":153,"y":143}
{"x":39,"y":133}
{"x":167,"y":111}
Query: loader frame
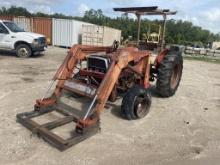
{"x":88,"y":123}
{"x":129,"y":60}
{"x":45,"y":130}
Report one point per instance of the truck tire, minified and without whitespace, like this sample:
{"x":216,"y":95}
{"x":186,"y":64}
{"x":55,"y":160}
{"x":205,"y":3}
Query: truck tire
{"x":136,"y":103}
{"x":169,"y":74}
{"x":23,"y":51}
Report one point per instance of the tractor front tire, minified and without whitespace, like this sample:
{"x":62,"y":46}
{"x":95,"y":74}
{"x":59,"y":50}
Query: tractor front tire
{"x":136,"y":103}
{"x":169,"y":74}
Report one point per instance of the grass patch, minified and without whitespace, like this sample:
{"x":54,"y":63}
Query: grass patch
{"x":203,"y":58}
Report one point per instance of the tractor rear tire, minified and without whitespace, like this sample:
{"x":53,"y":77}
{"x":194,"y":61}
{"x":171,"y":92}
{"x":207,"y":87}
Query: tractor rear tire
{"x":136,"y":103}
{"x":169,"y":74}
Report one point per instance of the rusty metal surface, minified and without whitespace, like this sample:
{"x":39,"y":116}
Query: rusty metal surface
{"x":74,"y":86}
{"x":152,"y":10}
{"x":43,"y":26}
{"x":24,"y":22}
{"x":45,"y":130}
{"x":176,"y":75}
{"x":120,"y":59}
{"x":5,"y":17}
{"x":36,"y":24}
{"x":106,"y":86}
{"x":39,"y":25}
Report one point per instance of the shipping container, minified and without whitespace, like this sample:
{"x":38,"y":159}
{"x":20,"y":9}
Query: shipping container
{"x":92,"y":35}
{"x":43,"y":26}
{"x":99,"y":35}
{"x":66,"y":32}
{"x":24,"y":22}
{"x":5,"y":17}
{"x":111,"y":35}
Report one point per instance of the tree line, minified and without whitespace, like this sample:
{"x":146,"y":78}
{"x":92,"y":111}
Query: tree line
{"x":177,"y":31}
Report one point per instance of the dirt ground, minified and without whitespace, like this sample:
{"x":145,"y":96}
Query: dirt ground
{"x":183,"y":129}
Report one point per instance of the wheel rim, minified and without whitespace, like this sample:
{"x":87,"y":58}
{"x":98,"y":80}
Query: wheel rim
{"x":175,"y":77}
{"x":142,"y":106}
{"x":23,"y":52}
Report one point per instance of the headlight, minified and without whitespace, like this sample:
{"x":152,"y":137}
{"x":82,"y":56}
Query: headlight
{"x":35,"y":42}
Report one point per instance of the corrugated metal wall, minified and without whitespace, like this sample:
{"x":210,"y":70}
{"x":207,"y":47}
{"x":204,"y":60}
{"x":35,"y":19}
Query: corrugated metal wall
{"x":5,"y":17}
{"x":24,"y":22}
{"x":100,"y":35}
{"x":36,"y":24}
{"x":67,"y":32}
{"x":43,"y":26}
{"x":110,"y":35}
{"x":92,"y":35}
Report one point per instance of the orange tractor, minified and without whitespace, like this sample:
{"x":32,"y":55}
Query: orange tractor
{"x":101,"y":74}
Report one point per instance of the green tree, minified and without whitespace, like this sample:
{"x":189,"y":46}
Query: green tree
{"x":15,"y":11}
{"x":177,"y":31}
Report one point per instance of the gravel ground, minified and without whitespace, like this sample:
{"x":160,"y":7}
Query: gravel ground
{"x":183,"y":129}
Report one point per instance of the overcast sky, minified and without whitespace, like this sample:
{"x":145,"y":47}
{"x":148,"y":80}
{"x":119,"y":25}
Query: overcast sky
{"x":205,"y":13}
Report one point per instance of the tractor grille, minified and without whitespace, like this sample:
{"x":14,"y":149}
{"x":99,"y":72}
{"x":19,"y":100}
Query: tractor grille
{"x":98,"y":63}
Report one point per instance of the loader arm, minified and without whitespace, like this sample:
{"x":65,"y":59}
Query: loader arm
{"x":76,"y":53}
{"x":120,"y":60}
{"x":87,"y":124}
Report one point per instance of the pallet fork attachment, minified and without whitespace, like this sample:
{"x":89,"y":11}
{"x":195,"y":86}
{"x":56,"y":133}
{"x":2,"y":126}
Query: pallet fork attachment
{"x":45,"y":132}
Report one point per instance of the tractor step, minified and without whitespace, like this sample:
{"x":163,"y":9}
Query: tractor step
{"x":45,"y":130}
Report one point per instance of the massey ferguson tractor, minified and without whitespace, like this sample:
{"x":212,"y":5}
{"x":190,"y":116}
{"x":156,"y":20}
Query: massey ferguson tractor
{"x":101,"y":74}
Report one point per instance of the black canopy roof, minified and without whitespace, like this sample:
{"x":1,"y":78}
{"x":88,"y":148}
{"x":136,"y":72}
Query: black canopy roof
{"x":151,"y":10}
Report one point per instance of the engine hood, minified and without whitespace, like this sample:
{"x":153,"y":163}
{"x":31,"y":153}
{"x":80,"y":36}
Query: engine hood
{"x":30,"y":34}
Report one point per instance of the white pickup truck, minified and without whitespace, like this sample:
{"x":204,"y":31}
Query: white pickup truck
{"x":16,"y":39}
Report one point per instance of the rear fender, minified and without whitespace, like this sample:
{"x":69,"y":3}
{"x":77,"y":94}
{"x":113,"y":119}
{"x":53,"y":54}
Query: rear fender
{"x":160,"y":58}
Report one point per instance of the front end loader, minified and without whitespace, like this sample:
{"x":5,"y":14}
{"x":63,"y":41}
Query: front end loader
{"x":101,"y":73}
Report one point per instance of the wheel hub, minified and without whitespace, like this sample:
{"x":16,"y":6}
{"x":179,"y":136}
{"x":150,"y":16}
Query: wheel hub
{"x":142,"y":107}
{"x":23,"y":52}
{"x":175,"y":77}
